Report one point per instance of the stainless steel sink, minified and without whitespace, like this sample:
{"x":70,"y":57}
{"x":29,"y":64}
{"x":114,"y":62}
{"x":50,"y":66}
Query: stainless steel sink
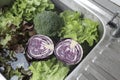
{"x":102,"y":63}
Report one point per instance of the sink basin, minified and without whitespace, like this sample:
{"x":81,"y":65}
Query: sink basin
{"x":102,"y":53}
{"x":93,"y":66}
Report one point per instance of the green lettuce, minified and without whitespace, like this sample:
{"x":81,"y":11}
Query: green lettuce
{"x":79,"y":29}
{"x":51,"y":69}
{"x":29,"y":8}
{"x":21,"y":10}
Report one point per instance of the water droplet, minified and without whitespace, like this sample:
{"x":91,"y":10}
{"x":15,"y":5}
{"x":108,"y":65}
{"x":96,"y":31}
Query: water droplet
{"x":101,"y":51}
{"x":94,"y":59}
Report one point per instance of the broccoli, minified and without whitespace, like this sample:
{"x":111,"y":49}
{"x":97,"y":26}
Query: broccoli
{"x":48,"y":23}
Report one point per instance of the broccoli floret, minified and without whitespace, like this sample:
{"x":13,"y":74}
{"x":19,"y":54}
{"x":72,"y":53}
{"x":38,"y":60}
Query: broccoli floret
{"x":48,"y":23}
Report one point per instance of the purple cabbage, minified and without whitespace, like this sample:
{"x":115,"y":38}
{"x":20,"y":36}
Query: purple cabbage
{"x":69,"y":51}
{"x":40,"y":47}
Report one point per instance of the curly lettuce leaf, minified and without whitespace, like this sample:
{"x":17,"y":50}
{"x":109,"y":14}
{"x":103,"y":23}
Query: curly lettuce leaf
{"x":79,"y":29}
{"x":28,"y":8}
{"x":20,"y":10}
{"x":51,"y":69}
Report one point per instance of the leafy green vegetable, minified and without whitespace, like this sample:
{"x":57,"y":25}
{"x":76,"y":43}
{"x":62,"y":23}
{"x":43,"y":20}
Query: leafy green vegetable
{"x":79,"y":29}
{"x":48,"y":23}
{"x":29,"y":8}
{"x":9,"y":72}
{"x":51,"y":69}
{"x":12,"y":17}
{"x":5,"y":2}
{"x":5,"y":59}
{"x":7,"y":38}
{"x":15,"y":73}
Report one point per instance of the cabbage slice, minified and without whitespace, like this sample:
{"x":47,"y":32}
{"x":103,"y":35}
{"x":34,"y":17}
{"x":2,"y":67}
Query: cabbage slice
{"x":40,"y":47}
{"x":69,"y":51}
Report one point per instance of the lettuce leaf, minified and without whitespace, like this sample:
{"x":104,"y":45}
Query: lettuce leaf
{"x":79,"y":29}
{"x":28,"y":8}
{"x":51,"y":69}
{"x":20,"y":10}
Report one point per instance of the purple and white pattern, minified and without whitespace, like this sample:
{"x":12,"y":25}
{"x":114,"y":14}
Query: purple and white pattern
{"x":40,"y":47}
{"x":69,"y":51}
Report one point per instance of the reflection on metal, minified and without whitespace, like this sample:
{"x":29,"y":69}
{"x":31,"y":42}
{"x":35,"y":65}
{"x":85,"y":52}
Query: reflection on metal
{"x":1,"y":77}
{"x":90,"y":5}
{"x":117,"y":2}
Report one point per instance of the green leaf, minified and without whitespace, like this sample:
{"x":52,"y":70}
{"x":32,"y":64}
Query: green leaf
{"x":51,"y":69}
{"x":81,"y":30}
{"x":20,"y":10}
{"x":5,"y":41}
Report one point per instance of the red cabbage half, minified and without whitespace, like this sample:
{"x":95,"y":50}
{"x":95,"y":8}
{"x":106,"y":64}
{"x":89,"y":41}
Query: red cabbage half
{"x":40,"y":47}
{"x":69,"y":51}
